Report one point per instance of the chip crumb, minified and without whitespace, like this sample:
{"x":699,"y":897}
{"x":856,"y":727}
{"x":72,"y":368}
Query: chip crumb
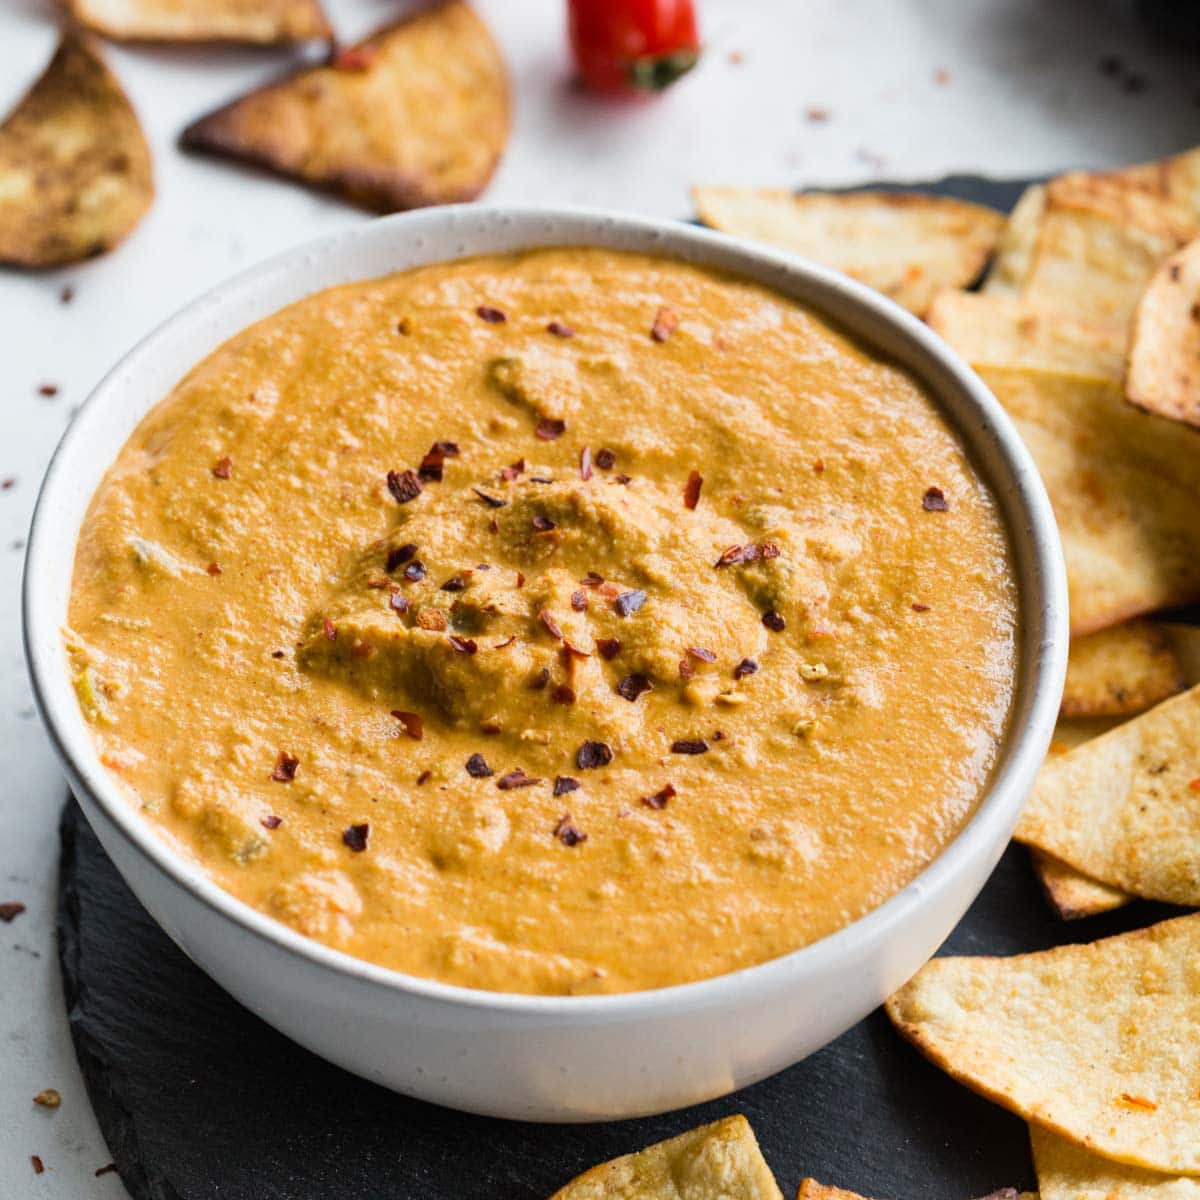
{"x":48,"y":1098}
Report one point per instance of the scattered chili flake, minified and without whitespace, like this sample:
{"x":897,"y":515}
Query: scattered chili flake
{"x":516,"y":778}
{"x":746,"y":667}
{"x":540,"y":680}
{"x":107,"y":1169}
{"x":560,"y":329}
{"x":819,"y":465}
{"x":270,"y":821}
{"x":609,"y":648}
{"x":629,"y":602}
{"x":398,"y":602}
{"x":432,"y":465}
{"x":213,"y":568}
{"x":585,"y":463}
{"x":691,"y":492}
{"x":404,"y":485}
{"x":329,"y":629}
{"x":731,"y":555}
{"x":633,"y":686}
{"x":493,"y":316}
{"x":549,"y":429}
{"x":568,"y":832}
{"x":1194,"y":784}
{"x":456,"y":583}
{"x":67,"y":294}
{"x":356,"y":837}
{"x":579,"y":600}
{"x":703,"y":654}
{"x":774,"y":621}
{"x":397,"y":556}
{"x":223,"y":468}
{"x":747,"y":554}
{"x":563,"y":694}
{"x":689,"y":746}
{"x":490,"y":501}
{"x":605,"y":460}
{"x":552,"y":626}
{"x":415,"y":571}
{"x":37,"y":1164}
{"x":447,"y":449}
{"x":816,"y":116}
{"x":686,"y":670}
{"x":424,"y":777}
{"x":591,"y":579}
{"x":934,"y":500}
{"x":508,"y":641}
{"x":942,"y":76}
{"x":462,"y":645}
{"x":48,"y":389}
{"x":412,"y":723}
{"x":666,"y":321}
{"x":623,"y":480}
{"x":285,"y":767}
{"x":919,"y":607}
{"x":660,"y":798}
{"x":591,"y":755}
{"x":278,"y":653}
{"x":564,"y":784}
{"x":8,"y":484}
{"x":570,"y":650}
{"x":513,"y":471}
{"x":404,"y":326}
{"x":353,"y":58}
{"x":543,"y":524}
{"x":477,"y":767}
{"x":1138,"y":1102}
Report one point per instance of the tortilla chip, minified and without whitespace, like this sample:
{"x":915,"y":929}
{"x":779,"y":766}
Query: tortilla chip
{"x":1097,"y":1041}
{"x":75,"y":171}
{"x":1018,"y":241}
{"x":417,"y":114}
{"x":1175,"y":179}
{"x":256,"y":21}
{"x":810,"y":1189}
{"x":1071,"y":893}
{"x":908,"y":245}
{"x":1185,"y":644}
{"x":1124,"y":486}
{"x":991,"y":330}
{"x":1065,"y":1172}
{"x":720,"y":1161}
{"x":1125,"y":808}
{"x":1120,"y":671}
{"x":1164,"y":353}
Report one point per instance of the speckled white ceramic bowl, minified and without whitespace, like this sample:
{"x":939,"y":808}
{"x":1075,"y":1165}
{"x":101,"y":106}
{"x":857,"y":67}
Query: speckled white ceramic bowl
{"x":531,"y":1057}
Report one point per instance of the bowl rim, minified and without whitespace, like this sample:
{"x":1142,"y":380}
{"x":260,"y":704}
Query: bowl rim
{"x":1044,"y":608}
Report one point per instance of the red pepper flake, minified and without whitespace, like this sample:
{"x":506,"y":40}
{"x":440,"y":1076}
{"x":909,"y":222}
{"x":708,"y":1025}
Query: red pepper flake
{"x":564,"y":784}
{"x":424,"y":777}
{"x":703,"y":654}
{"x":48,"y":390}
{"x":746,"y":667}
{"x":107,"y":1169}
{"x":816,"y":116}
{"x":38,"y":1166}
{"x":819,"y":465}
{"x":354,"y":58}
{"x":579,"y":600}
{"x":477,"y":767}
{"x":397,"y":556}
{"x":1140,"y":1102}
{"x":691,"y":493}
{"x":633,"y":686}
{"x":490,"y":501}
{"x":432,"y":465}
{"x":563,"y":694}
{"x":568,"y":832}
{"x":356,"y":837}
{"x":540,"y":680}
{"x":543,"y":524}
{"x":412,"y":723}
{"x":508,"y":641}
{"x":329,"y":629}
{"x":666,"y":321}
{"x":606,"y":460}
{"x":591,"y":579}
{"x":515,"y":471}
{"x":660,"y":798}
{"x":456,"y":583}
{"x":8,"y":484}
{"x":689,"y":746}
{"x":285,"y":767}
{"x":629,"y":602}
{"x":623,"y":480}
{"x":493,"y":316}
{"x":1194,"y":784}
{"x":747,"y":554}
{"x":570,"y":650}
{"x":398,"y":602}
{"x":591,"y":755}
{"x":271,"y":821}
{"x":10,"y":911}
{"x":934,"y":500}
{"x":585,"y":463}
{"x":223,"y":468}
{"x":67,"y":294}
{"x":552,"y":626}
{"x":404,"y":485}
{"x":446,"y":449}
{"x":213,"y":568}
{"x":686,"y":670}
{"x":462,"y":645}
{"x":520,"y":579}
{"x":560,"y":329}
{"x":516,"y":778}
{"x":404,"y":326}
{"x":550,"y":429}
{"x":919,"y":607}
{"x":415,"y":571}
{"x":278,"y":653}
{"x":774,"y":621}
{"x":609,"y":648}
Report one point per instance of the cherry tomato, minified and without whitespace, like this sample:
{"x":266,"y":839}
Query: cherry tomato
{"x":633,"y":47}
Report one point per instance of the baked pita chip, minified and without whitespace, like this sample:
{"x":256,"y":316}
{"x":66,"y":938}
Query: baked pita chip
{"x":75,"y":172}
{"x":991,"y":330}
{"x":255,"y":21}
{"x":1096,"y":1042}
{"x":417,"y":114}
{"x":1018,"y":241}
{"x":908,"y":245}
{"x":1125,"y":808}
{"x":720,"y":1161}
{"x":1071,"y":893}
{"x":1120,"y":671}
{"x":1067,"y":1172}
{"x":1125,"y":487}
{"x":1164,"y":352}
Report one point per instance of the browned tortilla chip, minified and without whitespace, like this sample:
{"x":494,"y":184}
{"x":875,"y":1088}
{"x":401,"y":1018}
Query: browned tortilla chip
{"x":257,"y":21}
{"x":907,"y":245}
{"x":1175,"y":179}
{"x":1097,"y":1041}
{"x":1164,"y":353}
{"x":1120,"y":671}
{"x":810,"y":1189}
{"x":1067,"y":1172}
{"x":417,"y":114}
{"x":1125,"y":807}
{"x":1018,"y":240}
{"x":720,"y":1161}
{"x":1072,"y":894}
{"x":75,"y":173}
{"x":1124,"y":486}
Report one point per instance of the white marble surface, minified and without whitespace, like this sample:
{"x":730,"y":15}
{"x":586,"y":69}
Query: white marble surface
{"x":913,"y":88}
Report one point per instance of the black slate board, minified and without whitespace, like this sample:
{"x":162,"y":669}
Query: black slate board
{"x":199,"y":1100}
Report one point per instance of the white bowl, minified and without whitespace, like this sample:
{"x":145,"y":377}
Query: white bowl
{"x":545,"y":1058}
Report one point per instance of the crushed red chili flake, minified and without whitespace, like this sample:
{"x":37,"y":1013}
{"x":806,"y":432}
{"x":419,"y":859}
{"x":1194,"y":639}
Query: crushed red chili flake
{"x":48,"y":389}
{"x":397,"y":556}
{"x":605,"y":460}
{"x":271,"y":821}
{"x":520,"y":579}
{"x":477,"y":767}
{"x":660,"y":798}
{"x":404,"y":485}
{"x":819,"y":465}
{"x":666,"y":321}
{"x":404,"y":326}
{"x":585,"y":463}
{"x":934,"y":500}
{"x":36,"y":1162}
{"x":462,"y":645}
{"x":516,"y":778}
{"x":591,"y":579}
{"x":550,"y":429}
{"x":563,"y":694}
{"x":717,"y":735}
{"x":508,"y":641}
{"x":609,"y":648}
{"x":107,"y":1169}
{"x":702,"y":653}
{"x":356,"y":837}
{"x":449,"y":449}
{"x":490,"y":501}
{"x":746,"y":667}
{"x":424,"y":777}
{"x":629,"y":602}
{"x":560,"y":329}
{"x":579,"y":600}
{"x":552,"y":626}
{"x":686,"y":670}
{"x":213,"y":568}
{"x":493,"y":316}
{"x":223,"y":468}
{"x":456,"y":583}
{"x":570,"y":650}
{"x":633,"y":686}
{"x":412,"y":723}
{"x":353,"y":58}
{"x":398,"y":602}
{"x":568,"y":832}
{"x":919,"y":607}
{"x":691,"y":492}
{"x":591,"y":755}
{"x":774,"y":621}
{"x":10,"y":910}
{"x":623,"y":480}
{"x":543,"y":524}
{"x":285,"y":767}
{"x":433,"y":465}
{"x":689,"y":746}
{"x":513,"y":471}
{"x":415,"y":571}
{"x":564,"y":784}
{"x":747,"y":554}
{"x":540,"y":680}
{"x":8,"y":484}
{"x":329,"y":629}
{"x":278,"y":653}
{"x":66,"y":295}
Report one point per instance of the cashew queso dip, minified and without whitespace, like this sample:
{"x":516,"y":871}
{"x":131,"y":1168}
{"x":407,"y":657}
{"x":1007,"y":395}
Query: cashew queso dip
{"x":561,"y":622}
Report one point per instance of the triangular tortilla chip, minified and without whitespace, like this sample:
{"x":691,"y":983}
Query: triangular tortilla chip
{"x":1072,"y":894}
{"x":1175,"y":179}
{"x":1067,"y":1172}
{"x":1125,"y":808}
{"x":907,"y":245}
{"x":1120,"y":671}
{"x":1125,"y":487}
{"x":1164,"y":352}
{"x":75,"y":172}
{"x":254,"y":21}
{"x":720,"y":1161}
{"x":417,"y":114}
{"x":1097,"y":1041}
{"x":1018,"y":241}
